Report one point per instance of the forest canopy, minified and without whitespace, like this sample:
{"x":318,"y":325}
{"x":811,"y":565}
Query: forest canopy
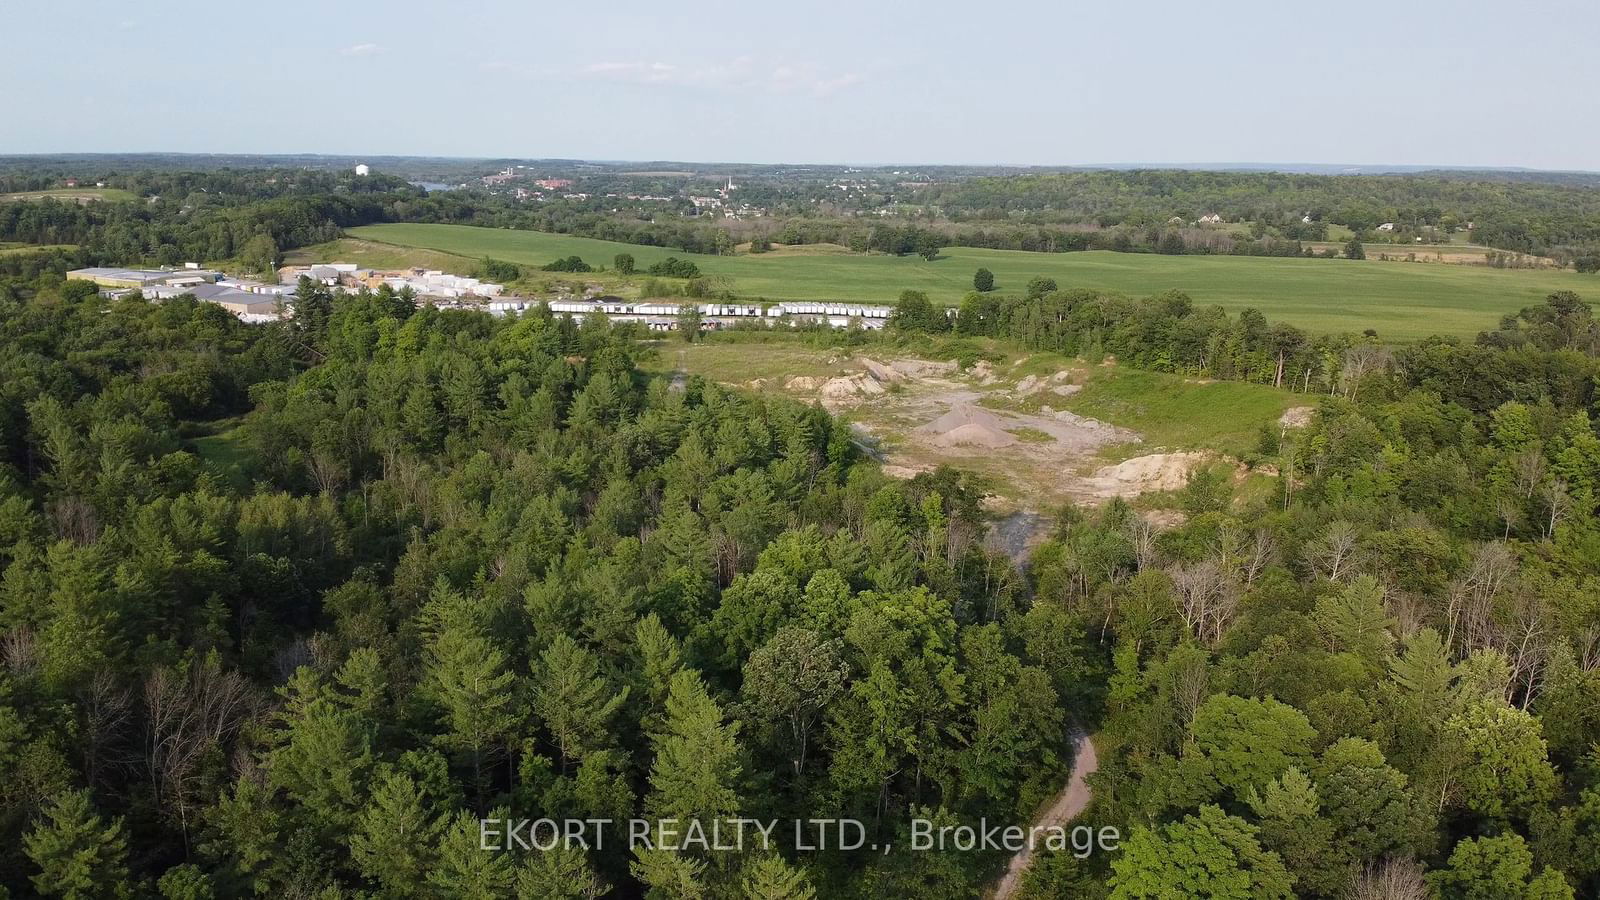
{"x":291,"y":608}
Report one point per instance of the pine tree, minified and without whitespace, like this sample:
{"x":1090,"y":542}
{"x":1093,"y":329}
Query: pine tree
{"x":659,"y":658}
{"x":770,"y":878}
{"x":323,"y":761}
{"x":1290,"y":818}
{"x":395,"y":835}
{"x":79,"y":855}
{"x":560,"y":873}
{"x":1367,"y":801}
{"x":575,"y":701}
{"x":1423,"y":671}
{"x":81,"y":635}
{"x":476,"y":694}
{"x":668,"y":874}
{"x":424,"y":422}
{"x":1354,"y":621}
{"x":466,"y":871}
{"x":697,"y":771}
{"x":186,"y":882}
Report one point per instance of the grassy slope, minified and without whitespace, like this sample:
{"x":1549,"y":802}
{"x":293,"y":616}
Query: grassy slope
{"x":1171,"y":411}
{"x":1403,"y":301}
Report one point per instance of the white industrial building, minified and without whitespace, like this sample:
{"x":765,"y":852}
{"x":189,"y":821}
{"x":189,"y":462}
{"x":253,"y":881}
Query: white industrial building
{"x":660,"y":313}
{"x":434,"y":283}
{"x":422,"y":282}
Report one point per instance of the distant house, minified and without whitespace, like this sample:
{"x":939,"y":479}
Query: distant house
{"x":1175,"y":220}
{"x":1387,"y":226}
{"x":362,"y":169}
{"x":1306,"y":219}
{"x":1213,"y":219}
{"x":554,"y":184}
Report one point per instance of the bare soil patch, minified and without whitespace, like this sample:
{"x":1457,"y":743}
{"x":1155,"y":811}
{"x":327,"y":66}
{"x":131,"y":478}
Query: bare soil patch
{"x":1297,"y":416}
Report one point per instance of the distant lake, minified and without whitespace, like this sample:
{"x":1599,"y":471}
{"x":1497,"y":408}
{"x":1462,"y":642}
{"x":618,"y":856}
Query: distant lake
{"x":431,"y":186}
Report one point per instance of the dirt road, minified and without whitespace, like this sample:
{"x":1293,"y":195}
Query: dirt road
{"x":1072,"y":800}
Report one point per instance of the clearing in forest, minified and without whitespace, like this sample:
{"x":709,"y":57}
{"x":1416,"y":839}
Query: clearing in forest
{"x":1041,"y":430}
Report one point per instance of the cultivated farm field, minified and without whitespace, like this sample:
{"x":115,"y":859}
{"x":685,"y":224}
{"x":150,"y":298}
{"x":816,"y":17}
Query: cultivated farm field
{"x":1402,"y":301}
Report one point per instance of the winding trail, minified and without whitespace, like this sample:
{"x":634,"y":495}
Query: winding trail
{"x":1073,"y":800}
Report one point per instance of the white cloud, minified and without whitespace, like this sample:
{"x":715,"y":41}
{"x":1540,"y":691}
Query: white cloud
{"x":360,"y":50}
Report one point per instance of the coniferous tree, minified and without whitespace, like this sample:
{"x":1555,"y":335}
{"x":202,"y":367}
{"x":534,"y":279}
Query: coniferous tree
{"x":396,"y":834}
{"x":78,"y":855}
{"x":769,"y":877}
{"x":697,"y":772}
{"x":575,"y":702}
{"x":464,"y":868}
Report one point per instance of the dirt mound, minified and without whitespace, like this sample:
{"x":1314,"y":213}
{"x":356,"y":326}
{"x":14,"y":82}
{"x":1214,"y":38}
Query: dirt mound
{"x":880,"y":371}
{"x":803,"y":383}
{"x":961,"y":414}
{"x":975,"y":435}
{"x":966,"y":425}
{"x":851,"y":386}
{"x":1297,"y":416}
{"x":1094,"y":431}
{"x":921,"y":368}
{"x":983,"y":373}
{"x":1155,"y":472}
{"x":1058,"y":383}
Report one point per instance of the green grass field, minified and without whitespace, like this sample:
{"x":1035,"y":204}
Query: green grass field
{"x":81,"y":195}
{"x":1171,"y":411}
{"x":221,"y":445}
{"x":1403,"y":301}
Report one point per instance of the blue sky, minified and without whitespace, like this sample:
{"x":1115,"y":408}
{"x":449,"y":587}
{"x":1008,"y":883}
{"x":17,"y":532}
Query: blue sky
{"x":1053,"y":83}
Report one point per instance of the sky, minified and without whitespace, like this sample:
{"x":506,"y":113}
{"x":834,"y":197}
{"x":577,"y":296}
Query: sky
{"x":999,"y":82}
